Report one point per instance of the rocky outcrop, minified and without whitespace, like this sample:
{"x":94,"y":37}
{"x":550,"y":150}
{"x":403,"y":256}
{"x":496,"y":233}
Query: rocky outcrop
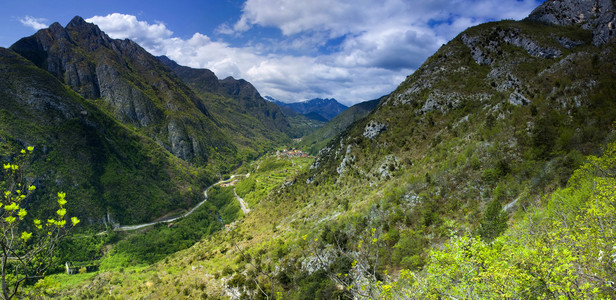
{"x":347,"y":160}
{"x":36,"y":95}
{"x":567,"y":43}
{"x":516,"y":98}
{"x":485,"y":52}
{"x":373,"y":129}
{"x":598,"y":16}
{"x":477,"y":52}
{"x":67,"y":54}
{"x":131,"y":105}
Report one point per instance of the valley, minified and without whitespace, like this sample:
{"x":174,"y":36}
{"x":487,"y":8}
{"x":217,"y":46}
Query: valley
{"x":119,"y":227}
{"x":266,"y":175}
{"x":489,"y":172}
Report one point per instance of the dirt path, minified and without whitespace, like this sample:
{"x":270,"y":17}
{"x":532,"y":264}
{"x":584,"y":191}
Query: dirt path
{"x":242,"y":205}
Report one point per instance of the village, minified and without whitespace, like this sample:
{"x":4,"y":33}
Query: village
{"x":291,"y":153}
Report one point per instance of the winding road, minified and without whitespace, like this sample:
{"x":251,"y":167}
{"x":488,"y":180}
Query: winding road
{"x":243,"y":205}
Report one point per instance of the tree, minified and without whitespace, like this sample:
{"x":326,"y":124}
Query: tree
{"x":494,"y":221}
{"x":26,"y":244}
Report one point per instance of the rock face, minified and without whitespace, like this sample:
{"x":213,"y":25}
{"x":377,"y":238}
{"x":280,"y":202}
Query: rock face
{"x":57,"y":50}
{"x":480,"y":50}
{"x":373,"y":129}
{"x":598,"y":16}
{"x":110,"y":170}
{"x":141,"y":91}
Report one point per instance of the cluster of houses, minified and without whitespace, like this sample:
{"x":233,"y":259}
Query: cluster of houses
{"x":291,"y":153}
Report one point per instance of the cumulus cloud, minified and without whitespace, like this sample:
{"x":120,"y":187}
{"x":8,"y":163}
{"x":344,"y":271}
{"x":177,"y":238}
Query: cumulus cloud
{"x":36,"y":23}
{"x":351,"y":16}
{"x":352,"y":50}
{"x":121,"y":26}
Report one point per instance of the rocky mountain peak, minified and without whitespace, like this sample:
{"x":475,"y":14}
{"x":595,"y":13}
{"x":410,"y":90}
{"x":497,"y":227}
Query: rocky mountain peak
{"x":77,"y":21}
{"x":599,"y":16}
{"x":55,"y":32}
{"x":88,"y":35}
{"x":56,"y":27}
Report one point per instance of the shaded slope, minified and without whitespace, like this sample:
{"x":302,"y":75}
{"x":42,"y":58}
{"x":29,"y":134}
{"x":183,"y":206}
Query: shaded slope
{"x":320,"y":137}
{"x":110,"y":172}
{"x":243,"y":114}
{"x":501,"y":114}
{"x":498,"y":117}
{"x":133,"y":86}
{"x":300,"y":125}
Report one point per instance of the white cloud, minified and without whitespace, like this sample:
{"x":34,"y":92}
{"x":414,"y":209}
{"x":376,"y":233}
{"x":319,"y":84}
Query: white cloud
{"x":224,"y":29}
{"x":351,"y":16}
{"x":378,"y":43}
{"x":36,"y":23}
{"x":121,"y":26}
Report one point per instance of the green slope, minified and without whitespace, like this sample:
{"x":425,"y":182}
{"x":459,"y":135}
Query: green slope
{"x":252,"y":123}
{"x":110,"y":171}
{"x":316,"y":140}
{"x":501,"y":116}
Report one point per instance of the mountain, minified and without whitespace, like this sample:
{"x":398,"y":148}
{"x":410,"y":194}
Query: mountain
{"x":313,"y":115}
{"x":300,"y":124}
{"x":596,"y":16}
{"x":487,"y":174}
{"x":140,"y":91}
{"x":326,"y":108}
{"x":245,"y":113}
{"x":119,"y":130}
{"x":110,"y":172}
{"x":316,"y":140}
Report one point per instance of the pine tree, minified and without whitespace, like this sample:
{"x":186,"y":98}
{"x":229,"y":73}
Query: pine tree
{"x":494,"y":221}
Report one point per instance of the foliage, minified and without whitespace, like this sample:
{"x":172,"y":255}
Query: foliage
{"x":27,"y":244}
{"x":310,"y":233}
{"x":109,"y":168}
{"x":156,"y":243}
{"x":316,"y":140}
{"x":226,"y":204}
{"x":566,"y":251}
{"x":494,"y":221}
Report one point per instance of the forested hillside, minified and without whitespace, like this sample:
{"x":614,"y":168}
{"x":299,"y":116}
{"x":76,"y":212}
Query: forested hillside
{"x":487,"y":174}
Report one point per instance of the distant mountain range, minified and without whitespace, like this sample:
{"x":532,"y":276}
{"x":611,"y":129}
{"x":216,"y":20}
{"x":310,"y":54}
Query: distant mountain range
{"x":316,"y":109}
{"x":318,"y":139}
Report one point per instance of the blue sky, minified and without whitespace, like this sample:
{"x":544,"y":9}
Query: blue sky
{"x":351,"y":50}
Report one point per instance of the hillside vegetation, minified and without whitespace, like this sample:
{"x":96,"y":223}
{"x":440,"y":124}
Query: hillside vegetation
{"x":488,"y":173}
{"x":318,"y":139}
